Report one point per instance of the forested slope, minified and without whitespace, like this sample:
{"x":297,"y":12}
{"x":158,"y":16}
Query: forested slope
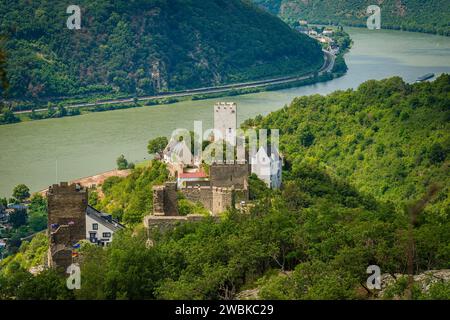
{"x":412,"y":15}
{"x":355,"y":161}
{"x":146,"y":46}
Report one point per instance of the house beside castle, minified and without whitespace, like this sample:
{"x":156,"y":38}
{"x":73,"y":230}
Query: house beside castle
{"x":70,"y":220}
{"x":100,"y":226}
{"x":267,"y":167}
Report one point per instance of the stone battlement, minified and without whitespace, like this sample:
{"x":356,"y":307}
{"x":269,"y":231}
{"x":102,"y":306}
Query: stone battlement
{"x":65,"y":188}
{"x":225,"y":105}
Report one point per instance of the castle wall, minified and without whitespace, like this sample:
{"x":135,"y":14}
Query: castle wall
{"x":165,"y":199}
{"x":158,"y":200}
{"x":229,"y":175}
{"x":170,"y":199}
{"x":67,"y":208}
{"x":222,"y":200}
{"x":202,"y":195}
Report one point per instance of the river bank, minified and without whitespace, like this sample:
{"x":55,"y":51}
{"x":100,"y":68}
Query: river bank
{"x":90,"y":143}
{"x":63,"y":109}
{"x":95,"y":180}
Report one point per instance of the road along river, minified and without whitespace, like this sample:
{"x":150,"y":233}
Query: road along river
{"x":39,"y":153}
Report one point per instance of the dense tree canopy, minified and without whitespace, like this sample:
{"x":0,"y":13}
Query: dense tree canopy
{"x":352,"y":165}
{"x":143,"y":47}
{"x":21,"y":192}
{"x":412,"y":15}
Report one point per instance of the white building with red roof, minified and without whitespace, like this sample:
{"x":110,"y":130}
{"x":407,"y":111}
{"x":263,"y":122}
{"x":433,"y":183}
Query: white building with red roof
{"x":191,"y":178}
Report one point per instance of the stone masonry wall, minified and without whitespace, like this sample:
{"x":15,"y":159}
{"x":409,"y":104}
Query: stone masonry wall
{"x":202,"y":195}
{"x":229,"y":175}
{"x":67,"y":208}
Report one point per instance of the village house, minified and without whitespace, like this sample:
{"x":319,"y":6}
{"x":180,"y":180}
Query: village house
{"x":71,"y":220}
{"x":195,"y":178}
{"x":100,"y":226}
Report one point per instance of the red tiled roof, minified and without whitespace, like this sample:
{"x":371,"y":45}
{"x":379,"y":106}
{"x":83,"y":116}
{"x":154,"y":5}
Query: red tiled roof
{"x":187,"y":175}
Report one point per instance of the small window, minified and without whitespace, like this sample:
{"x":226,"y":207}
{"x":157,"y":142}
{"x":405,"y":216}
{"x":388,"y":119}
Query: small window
{"x":95,"y":226}
{"x":106,"y":234}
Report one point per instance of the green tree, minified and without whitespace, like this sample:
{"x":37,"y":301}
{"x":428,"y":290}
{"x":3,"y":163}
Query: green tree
{"x":38,"y":203}
{"x":8,"y":117}
{"x":437,"y":153}
{"x":21,"y":192}
{"x":157,"y":145}
{"x":93,"y":198}
{"x":122,"y":163}
{"x":18,"y":218}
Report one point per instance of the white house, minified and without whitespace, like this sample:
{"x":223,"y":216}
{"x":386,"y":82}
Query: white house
{"x":177,"y":152}
{"x":191,"y":177}
{"x":100,"y":227}
{"x":268,"y":168}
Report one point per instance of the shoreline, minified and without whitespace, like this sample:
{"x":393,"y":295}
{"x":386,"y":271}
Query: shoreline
{"x":95,"y":180}
{"x":198,"y":93}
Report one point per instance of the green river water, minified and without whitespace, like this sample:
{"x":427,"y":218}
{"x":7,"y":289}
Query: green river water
{"x":39,"y":153}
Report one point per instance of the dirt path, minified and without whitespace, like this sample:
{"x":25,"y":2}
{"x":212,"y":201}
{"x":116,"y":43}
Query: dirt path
{"x":97,"y":179}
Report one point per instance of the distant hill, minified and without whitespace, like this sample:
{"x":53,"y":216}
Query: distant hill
{"x":146,"y":46}
{"x":413,"y":15}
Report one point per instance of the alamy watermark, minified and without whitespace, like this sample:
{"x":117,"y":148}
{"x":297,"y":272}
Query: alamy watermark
{"x":74,"y":20}
{"x":73,"y":282}
{"x":374,"y":280}
{"x":374,"y":20}
{"x":223,"y":146}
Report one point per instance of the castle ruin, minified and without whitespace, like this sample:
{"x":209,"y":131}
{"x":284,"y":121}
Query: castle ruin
{"x":227,"y":185}
{"x":66,"y":222}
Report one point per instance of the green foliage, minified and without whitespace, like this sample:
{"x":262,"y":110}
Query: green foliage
{"x":30,"y":254}
{"x":437,"y":153}
{"x":337,"y":213}
{"x":130,"y":199}
{"x":122,"y":163}
{"x":37,"y":213}
{"x":405,"y":15}
{"x":125,"y":270}
{"x":258,"y":189}
{"x":22,"y":285}
{"x":93,"y":198}
{"x":21,"y":192}
{"x":361,"y":137}
{"x":157,"y":145}
{"x":145,"y":47}
{"x":313,"y":280}
{"x":8,"y":117}
{"x":186,"y":207}
{"x":18,"y":218}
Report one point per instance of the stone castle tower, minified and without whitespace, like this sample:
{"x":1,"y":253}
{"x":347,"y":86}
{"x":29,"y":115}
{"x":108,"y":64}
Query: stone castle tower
{"x":66,"y":222}
{"x":225,"y":121}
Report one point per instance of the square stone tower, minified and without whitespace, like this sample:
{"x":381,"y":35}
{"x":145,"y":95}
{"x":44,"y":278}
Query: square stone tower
{"x":66,"y":221}
{"x":225,"y":121}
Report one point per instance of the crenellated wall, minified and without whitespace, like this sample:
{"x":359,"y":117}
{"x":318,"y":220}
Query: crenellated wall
{"x":66,"y":221}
